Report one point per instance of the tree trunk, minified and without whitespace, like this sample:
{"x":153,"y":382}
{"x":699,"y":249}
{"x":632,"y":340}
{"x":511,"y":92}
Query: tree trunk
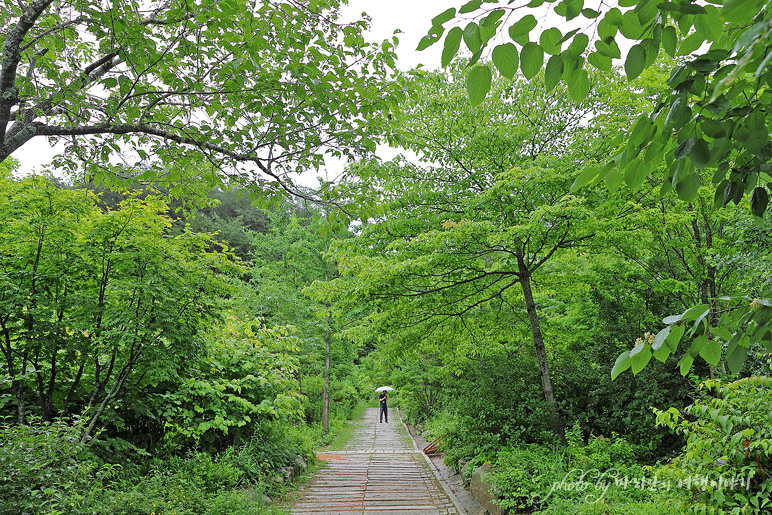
{"x":541,"y":353}
{"x":326,"y":395}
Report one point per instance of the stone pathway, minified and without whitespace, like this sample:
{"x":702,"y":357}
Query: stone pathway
{"x":380,"y":472}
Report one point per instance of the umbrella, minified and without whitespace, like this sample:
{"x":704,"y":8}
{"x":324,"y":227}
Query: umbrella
{"x":384,"y":389}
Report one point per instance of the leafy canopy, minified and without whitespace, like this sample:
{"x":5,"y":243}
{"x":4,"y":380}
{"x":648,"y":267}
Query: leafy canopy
{"x":715,"y":116}
{"x":238,"y":91}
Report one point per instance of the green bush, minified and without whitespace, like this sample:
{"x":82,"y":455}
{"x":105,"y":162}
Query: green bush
{"x":728,"y":455}
{"x":198,"y":484}
{"x":594,"y":478}
{"x":44,"y":468}
{"x":462,"y":438}
{"x":600,"y":452}
{"x":272,"y":447}
{"x":524,"y":474}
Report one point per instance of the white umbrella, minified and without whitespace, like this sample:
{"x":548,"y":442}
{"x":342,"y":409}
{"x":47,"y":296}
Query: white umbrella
{"x":384,"y":389}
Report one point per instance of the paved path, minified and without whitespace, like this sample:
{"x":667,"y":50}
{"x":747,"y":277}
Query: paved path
{"x":380,"y":472}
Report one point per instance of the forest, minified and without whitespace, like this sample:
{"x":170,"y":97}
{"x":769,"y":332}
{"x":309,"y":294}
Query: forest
{"x":184,"y":322}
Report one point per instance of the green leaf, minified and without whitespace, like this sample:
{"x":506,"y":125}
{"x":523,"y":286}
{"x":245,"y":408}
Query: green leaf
{"x":688,"y":187}
{"x":520,"y":30}
{"x":586,"y":176}
{"x":711,"y":352}
{"x":553,"y":72}
{"x":639,"y":361}
{"x":711,"y":24}
{"x":690,"y":44}
{"x":600,"y":61}
{"x":531,"y":60}
{"x":722,"y":332}
{"x":506,"y":59}
{"x":683,"y":149}
{"x":646,"y":11}
{"x":735,"y":356}
{"x":490,"y":20}
{"x":613,"y":179}
{"x":660,"y":338}
{"x":478,"y":84}
{"x":631,"y":27}
{"x":452,"y":44}
{"x":674,"y":337}
{"x":549,"y":41}
{"x":685,"y":363}
{"x":472,"y":37}
{"x":573,"y":8}
{"x":678,"y":114}
{"x":578,"y":85}
{"x":579,"y":44}
{"x":700,"y":153}
{"x":635,"y":62}
{"x":427,"y":41}
{"x":669,"y":40}
{"x":609,"y":49}
{"x":741,"y":11}
{"x":759,"y":201}
{"x":622,"y":363}
{"x":470,"y":6}
{"x":444,"y":17}
{"x":687,"y":7}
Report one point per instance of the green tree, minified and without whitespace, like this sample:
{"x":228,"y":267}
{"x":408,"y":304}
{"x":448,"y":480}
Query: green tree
{"x":714,"y":117}
{"x":287,"y":259}
{"x":711,"y":129}
{"x":92,"y":298}
{"x":243,"y":91}
{"x":463,"y":236}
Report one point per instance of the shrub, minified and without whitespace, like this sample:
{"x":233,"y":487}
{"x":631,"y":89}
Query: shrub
{"x":600,"y":452}
{"x":597,"y":478}
{"x":524,"y":474}
{"x":44,"y":468}
{"x":462,"y":438}
{"x":727,"y":460}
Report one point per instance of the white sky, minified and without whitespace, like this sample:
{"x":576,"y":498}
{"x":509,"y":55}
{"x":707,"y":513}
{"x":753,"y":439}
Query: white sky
{"x":413,"y":17}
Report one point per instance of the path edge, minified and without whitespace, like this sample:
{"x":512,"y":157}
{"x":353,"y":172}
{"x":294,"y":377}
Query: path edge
{"x":461,"y":510}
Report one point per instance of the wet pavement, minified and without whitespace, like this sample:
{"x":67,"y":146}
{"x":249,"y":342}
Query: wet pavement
{"x":379,"y":472}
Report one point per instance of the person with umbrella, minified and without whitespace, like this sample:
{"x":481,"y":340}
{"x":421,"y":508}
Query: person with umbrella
{"x":384,"y":399}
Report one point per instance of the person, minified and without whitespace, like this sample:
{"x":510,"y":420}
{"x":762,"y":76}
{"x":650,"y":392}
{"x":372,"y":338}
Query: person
{"x":384,"y":412}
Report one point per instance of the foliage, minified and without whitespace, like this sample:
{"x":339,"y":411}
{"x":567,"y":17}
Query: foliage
{"x":45,"y":468}
{"x":728,"y":454}
{"x":195,"y":485}
{"x":272,"y":447}
{"x":709,"y":130}
{"x":708,"y":83}
{"x":598,"y":477}
{"x":204,"y":93}
{"x":94,"y":301}
{"x":245,"y":378}
{"x":744,"y":322}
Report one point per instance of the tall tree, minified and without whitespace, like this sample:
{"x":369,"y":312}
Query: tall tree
{"x":711,"y":129}
{"x":90,"y":297}
{"x":287,"y":259}
{"x":247,"y":91}
{"x":464,"y":234}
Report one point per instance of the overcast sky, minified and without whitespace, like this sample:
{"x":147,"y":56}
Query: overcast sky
{"x":413,"y":17}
